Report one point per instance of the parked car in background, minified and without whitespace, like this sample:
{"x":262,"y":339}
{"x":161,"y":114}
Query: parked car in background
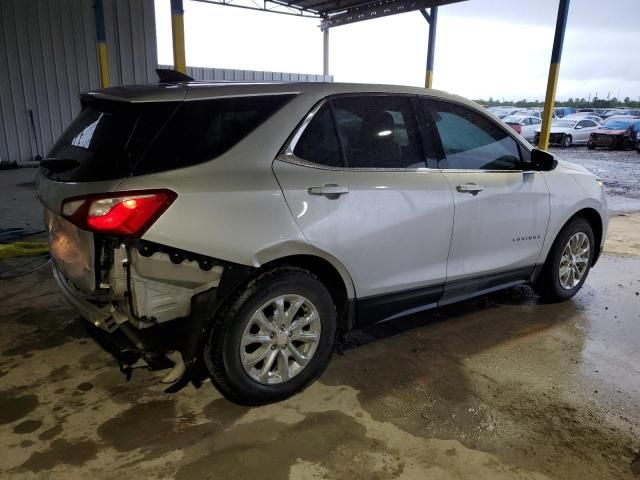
{"x":584,"y":115}
{"x":568,"y":131}
{"x":562,"y":111}
{"x":619,"y":131}
{"x":502,"y":112}
{"x":243,"y":227}
{"x":533,"y":112}
{"x":525,"y":125}
{"x":612,"y":112}
{"x":633,"y":113}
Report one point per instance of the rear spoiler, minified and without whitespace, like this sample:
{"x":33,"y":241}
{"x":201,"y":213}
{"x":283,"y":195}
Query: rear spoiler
{"x":167,"y":75}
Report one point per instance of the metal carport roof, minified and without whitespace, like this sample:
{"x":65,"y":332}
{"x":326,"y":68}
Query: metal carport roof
{"x":335,"y":12}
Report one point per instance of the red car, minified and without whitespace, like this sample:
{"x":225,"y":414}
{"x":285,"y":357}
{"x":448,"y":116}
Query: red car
{"x":619,"y":131}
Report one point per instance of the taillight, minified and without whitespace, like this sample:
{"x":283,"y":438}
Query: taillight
{"x":122,"y":214}
{"x":516,"y":127}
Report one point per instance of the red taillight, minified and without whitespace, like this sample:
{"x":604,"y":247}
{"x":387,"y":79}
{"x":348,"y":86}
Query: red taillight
{"x":516,"y":127}
{"x":121,"y":214}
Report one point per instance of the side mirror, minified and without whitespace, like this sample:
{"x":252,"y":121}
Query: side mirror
{"x":542,"y":161}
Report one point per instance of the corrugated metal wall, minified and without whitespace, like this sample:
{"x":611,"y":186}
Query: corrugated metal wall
{"x":231,"y":75}
{"x":48,"y":57}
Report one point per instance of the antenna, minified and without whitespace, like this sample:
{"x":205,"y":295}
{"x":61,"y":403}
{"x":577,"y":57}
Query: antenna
{"x":167,"y":75}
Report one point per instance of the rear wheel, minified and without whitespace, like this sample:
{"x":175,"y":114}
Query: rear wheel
{"x":567,"y":140}
{"x":591,"y":146}
{"x":274,"y":339}
{"x":568,"y":262}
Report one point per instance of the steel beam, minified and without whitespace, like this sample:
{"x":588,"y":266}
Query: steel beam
{"x":325,"y":52}
{"x":554,"y":70}
{"x":101,"y":37}
{"x":432,"y":19}
{"x":177,"y":31}
{"x":378,"y":9}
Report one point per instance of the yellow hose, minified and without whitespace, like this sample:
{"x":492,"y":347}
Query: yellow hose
{"x":19,"y":249}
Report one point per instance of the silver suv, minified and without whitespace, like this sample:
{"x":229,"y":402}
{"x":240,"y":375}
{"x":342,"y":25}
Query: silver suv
{"x":244,"y":226}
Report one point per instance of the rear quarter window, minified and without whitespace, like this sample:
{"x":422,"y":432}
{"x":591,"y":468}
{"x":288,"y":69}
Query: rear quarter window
{"x":205,"y":129}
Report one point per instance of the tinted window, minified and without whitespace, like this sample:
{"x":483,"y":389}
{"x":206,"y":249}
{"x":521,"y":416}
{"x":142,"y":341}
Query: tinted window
{"x":471,"y":140}
{"x":110,"y":140}
{"x":319,"y":141}
{"x":378,"y":132}
{"x":105,"y":140}
{"x":203,"y":130}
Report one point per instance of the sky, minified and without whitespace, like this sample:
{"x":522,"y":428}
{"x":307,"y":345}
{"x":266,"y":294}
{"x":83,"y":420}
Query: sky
{"x":484,"y":48}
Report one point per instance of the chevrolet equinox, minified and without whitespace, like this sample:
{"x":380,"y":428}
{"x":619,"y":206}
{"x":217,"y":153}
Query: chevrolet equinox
{"x":237,"y":229}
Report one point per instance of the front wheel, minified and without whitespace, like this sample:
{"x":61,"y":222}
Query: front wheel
{"x":274,"y":339}
{"x":568,"y":262}
{"x":591,"y":146}
{"x":567,"y":141}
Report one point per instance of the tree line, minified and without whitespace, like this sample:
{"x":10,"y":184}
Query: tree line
{"x":571,"y":102}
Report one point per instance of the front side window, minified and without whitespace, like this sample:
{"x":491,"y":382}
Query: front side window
{"x":378,"y":132}
{"x":472,"y":141}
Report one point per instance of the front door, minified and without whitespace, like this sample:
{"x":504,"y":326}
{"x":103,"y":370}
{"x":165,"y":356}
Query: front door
{"x":360,"y":191}
{"x":501,"y":211}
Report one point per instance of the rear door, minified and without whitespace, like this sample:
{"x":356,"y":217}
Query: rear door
{"x":501,"y":211}
{"x":531,"y":129}
{"x":581,"y":135}
{"x":356,"y":182}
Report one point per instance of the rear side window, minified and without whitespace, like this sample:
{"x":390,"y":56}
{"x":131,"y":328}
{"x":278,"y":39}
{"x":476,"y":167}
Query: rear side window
{"x":205,"y":129}
{"x":319,"y":141}
{"x":472,"y":141}
{"x":110,"y":140}
{"x":378,"y":132}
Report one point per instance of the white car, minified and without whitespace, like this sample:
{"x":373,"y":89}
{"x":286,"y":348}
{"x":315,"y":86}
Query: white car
{"x":584,"y":116}
{"x":569,"y":131}
{"x":239,"y":228}
{"x":534,"y":112}
{"x":525,"y":125}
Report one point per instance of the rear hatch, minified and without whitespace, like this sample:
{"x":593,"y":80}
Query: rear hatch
{"x":115,"y":138}
{"x":106,"y":143}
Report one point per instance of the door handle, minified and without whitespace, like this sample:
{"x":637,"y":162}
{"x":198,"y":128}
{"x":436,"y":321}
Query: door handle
{"x":471,"y":188}
{"x":330,"y":190}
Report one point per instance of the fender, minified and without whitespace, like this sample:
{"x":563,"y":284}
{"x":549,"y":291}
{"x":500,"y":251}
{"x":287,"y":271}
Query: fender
{"x":301,"y":247}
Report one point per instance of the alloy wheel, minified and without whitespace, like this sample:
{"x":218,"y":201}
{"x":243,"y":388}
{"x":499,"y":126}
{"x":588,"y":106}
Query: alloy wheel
{"x":280,"y":339}
{"x":574,"y":261}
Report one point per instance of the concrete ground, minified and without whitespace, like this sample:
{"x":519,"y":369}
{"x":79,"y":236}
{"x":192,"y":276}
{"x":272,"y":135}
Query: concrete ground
{"x":498,"y":387}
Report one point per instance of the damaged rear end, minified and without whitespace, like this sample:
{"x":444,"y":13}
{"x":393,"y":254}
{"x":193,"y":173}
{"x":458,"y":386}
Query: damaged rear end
{"x":139,"y":294}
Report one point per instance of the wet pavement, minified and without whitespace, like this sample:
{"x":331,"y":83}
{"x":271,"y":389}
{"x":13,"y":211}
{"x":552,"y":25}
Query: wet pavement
{"x":498,"y":387}
{"x":619,"y":170}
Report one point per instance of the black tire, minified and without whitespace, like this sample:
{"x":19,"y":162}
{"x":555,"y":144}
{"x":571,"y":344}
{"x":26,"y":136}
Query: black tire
{"x":567,"y":140}
{"x":222,"y":351}
{"x":548,"y":285}
{"x":590,"y":146}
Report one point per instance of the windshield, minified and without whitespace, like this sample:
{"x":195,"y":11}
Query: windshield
{"x":617,"y":124}
{"x":563,"y":123}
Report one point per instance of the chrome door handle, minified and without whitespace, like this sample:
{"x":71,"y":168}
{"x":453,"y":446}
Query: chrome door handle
{"x":471,"y":188}
{"x":328,"y":190}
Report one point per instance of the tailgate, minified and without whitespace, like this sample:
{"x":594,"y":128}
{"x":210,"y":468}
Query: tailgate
{"x":72,"y":251}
